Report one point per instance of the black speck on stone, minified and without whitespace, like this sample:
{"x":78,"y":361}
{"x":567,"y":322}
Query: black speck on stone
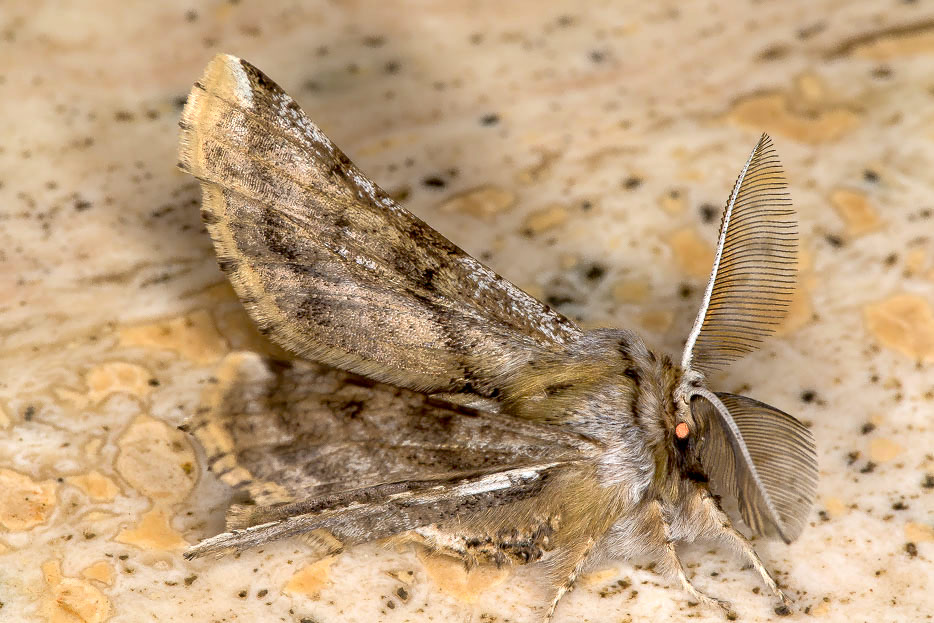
{"x":868,"y":468}
{"x":373,"y":41}
{"x":558,"y":299}
{"x":834,"y":240}
{"x":402,"y":593}
{"x":262,"y":593}
{"x":179,"y":101}
{"x":708,"y":212}
{"x":191,"y":15}
{"x":595,"y":272}
{"x":808,"y":395}
{"x":29,"y":412}
{"x":870,"y":176}
{"x":899,"y":506}
{"x":153,"y":382}
{"x":391,"y":605}
{"x":782,"y":610}
{"x":490,"y":119}
{"x":911,"y":549}
{"x":890,"y":259}
{"x":242,"y":594}
{"x":882,"y":71}
{"x":928,"y":481}
{"x":189,"y":580}
{"x":123,"y":556}
{"x":852,"y":457}
{"x":391,"y":67}
{"x":123,"y":115}
{"x":632,"y":183}
{"x":823,"y":515}
{"x":685,"y":290}
{"x":867,"y":428}
{"x":433,"y":181}
{"x":597,"y":56}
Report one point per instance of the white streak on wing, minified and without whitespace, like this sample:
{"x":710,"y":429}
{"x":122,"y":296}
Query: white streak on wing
{"x":242,"y":87}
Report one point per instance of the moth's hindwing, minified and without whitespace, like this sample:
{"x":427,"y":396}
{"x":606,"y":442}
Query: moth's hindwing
{"x":328,"y":265}
{"x":319,"y":448}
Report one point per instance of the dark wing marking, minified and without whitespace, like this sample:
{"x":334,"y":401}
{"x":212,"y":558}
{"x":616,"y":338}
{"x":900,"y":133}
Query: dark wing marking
{"x":305,"y":439}
{"x":764,"y":457}
{"x":328,"y":265}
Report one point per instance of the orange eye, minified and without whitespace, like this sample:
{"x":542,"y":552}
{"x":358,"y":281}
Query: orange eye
{"x":682,"y":430}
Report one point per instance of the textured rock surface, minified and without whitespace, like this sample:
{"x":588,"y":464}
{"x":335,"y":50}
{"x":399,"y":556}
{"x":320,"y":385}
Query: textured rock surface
{"x":583,"y":153}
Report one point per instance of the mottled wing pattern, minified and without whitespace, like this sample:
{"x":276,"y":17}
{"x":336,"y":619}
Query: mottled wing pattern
{"x":307,"y":441}
{"x":755,"y":270}
{"x":328,"y":265}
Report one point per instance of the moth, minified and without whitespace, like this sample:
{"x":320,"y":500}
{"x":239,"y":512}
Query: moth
{"x":431,"y":398}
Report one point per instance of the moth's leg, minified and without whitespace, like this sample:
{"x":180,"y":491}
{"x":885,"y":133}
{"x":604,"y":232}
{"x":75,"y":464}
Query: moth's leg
{"x":570,"y":577}
{"x":672,"y":564}
{"x":733,"y":537}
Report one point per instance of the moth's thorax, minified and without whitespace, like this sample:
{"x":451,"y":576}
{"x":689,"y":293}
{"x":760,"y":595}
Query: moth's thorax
{"x":608,"y":386}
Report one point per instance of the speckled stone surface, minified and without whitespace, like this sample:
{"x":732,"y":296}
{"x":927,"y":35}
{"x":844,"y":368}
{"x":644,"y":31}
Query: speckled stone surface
{"x":582,"y":153}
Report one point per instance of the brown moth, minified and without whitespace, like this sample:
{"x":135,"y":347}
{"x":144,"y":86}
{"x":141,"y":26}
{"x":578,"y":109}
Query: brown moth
{"x":450,"y":406}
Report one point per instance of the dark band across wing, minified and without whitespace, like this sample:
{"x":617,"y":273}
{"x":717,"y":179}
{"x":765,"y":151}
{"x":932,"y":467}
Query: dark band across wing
{"x":305,"y":439}
{"x":328,"y":265}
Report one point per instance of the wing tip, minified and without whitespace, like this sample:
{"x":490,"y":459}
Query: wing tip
{"x":225,"y":76}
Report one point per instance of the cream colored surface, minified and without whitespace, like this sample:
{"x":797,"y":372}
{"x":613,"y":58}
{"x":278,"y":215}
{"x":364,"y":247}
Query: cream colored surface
{"x":581,"y":152}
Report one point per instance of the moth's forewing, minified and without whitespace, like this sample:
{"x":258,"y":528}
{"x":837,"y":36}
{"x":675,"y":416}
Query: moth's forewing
{"x":328,"y":265}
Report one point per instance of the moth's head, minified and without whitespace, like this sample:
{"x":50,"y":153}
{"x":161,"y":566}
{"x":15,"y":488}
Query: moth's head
{"x":760,"y":455}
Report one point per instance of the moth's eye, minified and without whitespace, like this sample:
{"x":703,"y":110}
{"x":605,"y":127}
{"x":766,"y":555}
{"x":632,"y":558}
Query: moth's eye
{"x":682,"y":430}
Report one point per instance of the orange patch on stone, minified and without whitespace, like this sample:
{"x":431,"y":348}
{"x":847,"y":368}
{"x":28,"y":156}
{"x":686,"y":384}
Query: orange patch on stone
{"x":24,"y":502}
{"x":631,"y":291}
{"x":672,"y":202}
{"x":656,"y":321}
{"x":882,"y":450}
{"x":310,"y":579}
{"x":905,"y":323}
{"x":153,"y":532}
{"x":95,"y":485}
{"x":100,"y":571}
{"x":451,"y":577}
{"x":193,"y":336}
{"x":546,"y":218}
{"x":919,"y":532}
{"x":156,"y":460}
{"x":4,"y":418}
{"x":855,"y":210}
{"x":483,"y":202}
{"x":771,"y":112}
{"x":835,"y":506}
{"x":692,"y":253}
{"x":72,"y":600}
{"x":117,"y":377}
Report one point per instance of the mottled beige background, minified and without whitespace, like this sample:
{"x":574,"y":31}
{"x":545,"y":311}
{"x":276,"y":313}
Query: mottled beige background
{"x":582,"y":152}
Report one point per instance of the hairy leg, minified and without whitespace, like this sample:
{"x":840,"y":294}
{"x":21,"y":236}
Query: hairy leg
{"x":729,"y":534}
